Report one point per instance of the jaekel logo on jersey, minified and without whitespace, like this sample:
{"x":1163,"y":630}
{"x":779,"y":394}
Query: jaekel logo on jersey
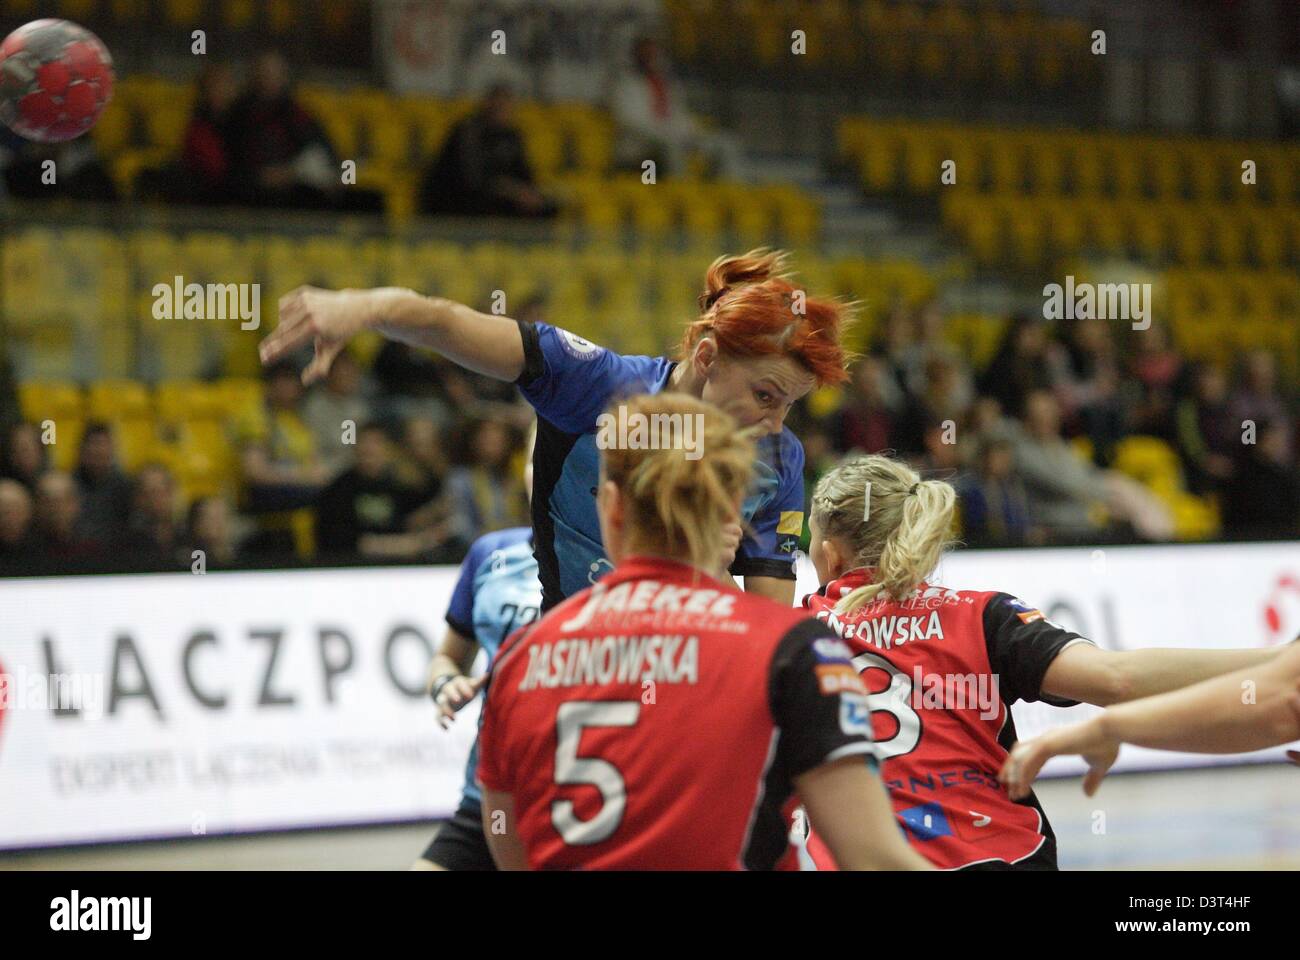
{"x":577,"y":347}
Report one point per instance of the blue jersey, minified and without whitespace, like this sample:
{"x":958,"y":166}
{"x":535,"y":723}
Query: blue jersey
{"x":497,"y":593}
{"x":570,"y":382}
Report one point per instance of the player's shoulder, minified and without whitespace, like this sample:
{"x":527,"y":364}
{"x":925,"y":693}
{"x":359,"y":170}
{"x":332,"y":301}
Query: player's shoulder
{"x":493,"y":544}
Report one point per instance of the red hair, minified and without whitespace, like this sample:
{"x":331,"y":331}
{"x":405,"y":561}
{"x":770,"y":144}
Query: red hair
{"x":751,"y":309}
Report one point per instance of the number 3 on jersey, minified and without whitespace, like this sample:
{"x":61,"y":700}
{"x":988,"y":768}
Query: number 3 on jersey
{"x":570,"y":769}
{"x":896,"y":701}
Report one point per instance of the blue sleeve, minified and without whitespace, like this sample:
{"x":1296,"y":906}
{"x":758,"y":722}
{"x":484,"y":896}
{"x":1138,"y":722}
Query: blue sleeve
{"x":460,"y":612}
{"x":768,"y":548}
{"x":570,"y":381}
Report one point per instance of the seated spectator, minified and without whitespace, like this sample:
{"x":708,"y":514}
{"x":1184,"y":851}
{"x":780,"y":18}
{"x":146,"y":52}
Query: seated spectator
{"x":106,"y":492}
{"x":1089,"y":387}
{"x":364,"y":511}
{"x":865,"y":422}
{"x":424,"y":463}
{"x":60,"y":540}
{"x":1262,"y":500}
{"x":1066,"y":492}
{"x":25,"y":458}
{"x":938,"y":458}
{"x":994,"y":505}
{"x":483,"y":169}
{"x":154,"y":536}
{"x":1258,"y":399}
{"x":282,"y":155}
{"x":486,"y":494}
{"x":1026,"y":360}
{"x":1158,"y":372}
{"x":412,"y":382}
{"x":208,"y":529}
{"x":654,"y":122}
{"x":281,"y":470}
{"x":202,"y":173}
{"x":336,"y":400}
{"x":15,"y":524}
{"x":80,"y":172}
{"x":1209,"y":437}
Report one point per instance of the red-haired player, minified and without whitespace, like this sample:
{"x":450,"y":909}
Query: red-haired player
{"x":663,"y":720}
{"x":758,"y":345}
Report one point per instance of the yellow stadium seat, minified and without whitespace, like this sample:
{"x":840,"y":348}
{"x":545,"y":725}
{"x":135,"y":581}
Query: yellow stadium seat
{"x":136,"y":440}
{"x":117,"y":399}
{"x":182,"y":400}
{"x":50,"y":401}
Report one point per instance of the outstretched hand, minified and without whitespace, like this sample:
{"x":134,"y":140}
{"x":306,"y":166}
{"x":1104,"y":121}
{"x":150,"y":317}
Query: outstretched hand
{"x":326,"y":318}
{"x":1086,"y":739}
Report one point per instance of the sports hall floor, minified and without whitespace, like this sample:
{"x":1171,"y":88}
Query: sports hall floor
{"x":1227,"y":818}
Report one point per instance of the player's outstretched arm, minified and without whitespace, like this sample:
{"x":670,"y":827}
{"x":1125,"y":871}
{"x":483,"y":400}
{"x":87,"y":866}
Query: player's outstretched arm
{"x":500,"y":830}
{"x":328,"y":319}
{"x":1102,"y":677}
{"x":1250,"y":709}
{"x":848,"y":807}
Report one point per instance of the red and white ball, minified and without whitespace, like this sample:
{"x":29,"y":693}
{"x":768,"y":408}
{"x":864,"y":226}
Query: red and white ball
{"x":55,"y":79}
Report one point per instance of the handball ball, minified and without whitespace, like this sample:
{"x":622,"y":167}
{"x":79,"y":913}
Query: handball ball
{"x":55,"y":78}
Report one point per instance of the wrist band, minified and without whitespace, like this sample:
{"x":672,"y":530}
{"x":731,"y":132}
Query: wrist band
{"x":441,"y":682}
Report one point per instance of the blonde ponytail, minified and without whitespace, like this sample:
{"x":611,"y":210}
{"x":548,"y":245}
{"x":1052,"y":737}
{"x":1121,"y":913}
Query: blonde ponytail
{"x":678,"y":503}
{"x":895,"y":522}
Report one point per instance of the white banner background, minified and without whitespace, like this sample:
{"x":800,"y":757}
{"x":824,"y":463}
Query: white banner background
{"x":352,"y":747}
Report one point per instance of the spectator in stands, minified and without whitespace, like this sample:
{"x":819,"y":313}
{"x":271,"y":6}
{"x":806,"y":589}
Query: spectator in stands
{"x":1258,"y":399}
{"x":486,"y":494}
{"x":424,"y":465}
{"x":1158,"y":373}
{"x":1026,"y":360}
{"x":654,"y":122}
{"x":865,"y":422}
{"x":1262,"y":500}
{"x":483,"y":169}
{"x":15,"y":524}
{"x":106,"y":492}
{"x":1089,"y":386}
{"x":281,"y":470}
{"x":202,"y":173}
{"x":25,"y":458}
{"x":337,"y":400}
{"x":59,"y":537}
{"x":279,"y":155}
{"x":208,"y":528}
{"x":365,"y":509}
{"x":413,"y":383}
{"x":994,"y":505}
{"x":1065,"y":491}
{"x":79,"y":173}
{"x":938,"y":458}
{"x":154,"y":536}
{"x":1209,"y":437}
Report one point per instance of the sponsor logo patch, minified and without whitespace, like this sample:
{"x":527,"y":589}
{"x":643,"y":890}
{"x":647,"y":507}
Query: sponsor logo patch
{"x":855,"y":714}
{"x":837,"y":678}
{"x":791,"y":522}
{"x":576,"y":347}
{"x":828,"y":650}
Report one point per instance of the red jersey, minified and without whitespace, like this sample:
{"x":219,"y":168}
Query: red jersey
{"x":658,"y":721}
{"x":942,"y":669}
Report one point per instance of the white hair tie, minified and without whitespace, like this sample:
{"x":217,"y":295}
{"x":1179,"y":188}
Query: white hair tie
{"x":866,"y":503}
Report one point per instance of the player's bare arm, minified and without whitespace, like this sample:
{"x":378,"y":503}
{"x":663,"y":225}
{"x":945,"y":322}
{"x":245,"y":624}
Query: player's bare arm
{"x":449,"y":684}
{"x":499,"y":829}
{"x":1251,"y":709}
{"x":484,"y":343}
{"x":850,"y":810}
{"x":1102,"y":677}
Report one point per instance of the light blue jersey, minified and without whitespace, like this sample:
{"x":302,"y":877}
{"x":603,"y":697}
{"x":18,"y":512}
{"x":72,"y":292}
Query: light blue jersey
{"x":498,"y":592}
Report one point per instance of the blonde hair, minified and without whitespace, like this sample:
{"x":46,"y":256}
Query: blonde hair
{"x":678,"y":506}
{"x":905,"y":529}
